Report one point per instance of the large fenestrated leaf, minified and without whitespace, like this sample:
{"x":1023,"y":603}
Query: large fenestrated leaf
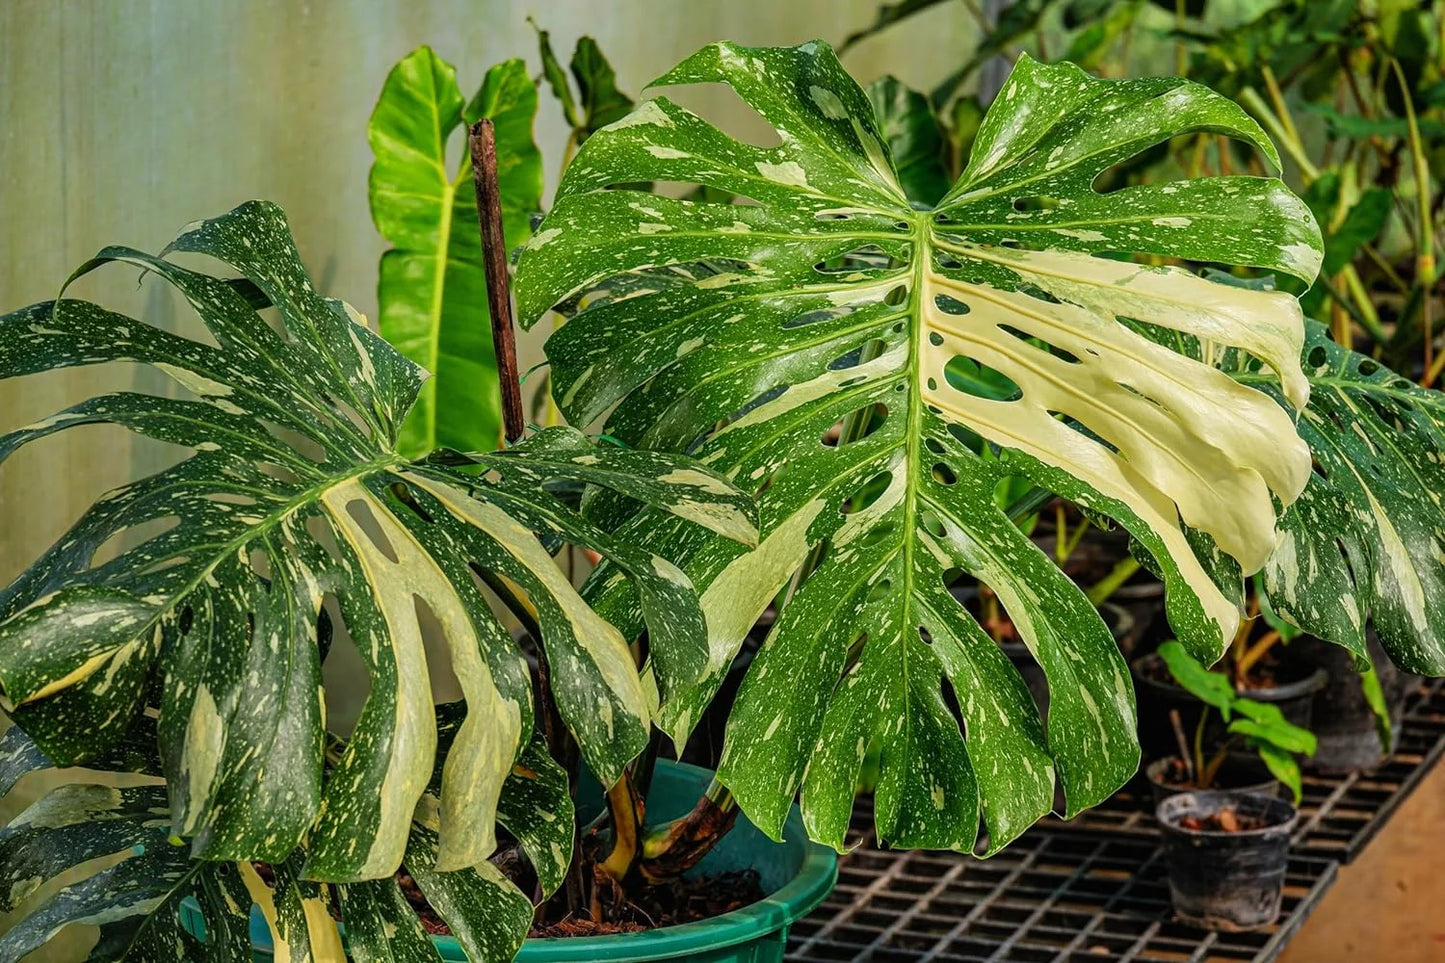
{"x":295,"y":492}
{"x":1366,"y":539}
{"x":95,"y":849}
{"x":831,"y":300}
{"x":432,"y":293}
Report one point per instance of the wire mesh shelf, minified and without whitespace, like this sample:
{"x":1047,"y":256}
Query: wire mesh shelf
{"x":1048,"y":897}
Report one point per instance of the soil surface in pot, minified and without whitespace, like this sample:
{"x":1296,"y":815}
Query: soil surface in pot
{"x":1226,"y":820}
{"x":687,"y":900}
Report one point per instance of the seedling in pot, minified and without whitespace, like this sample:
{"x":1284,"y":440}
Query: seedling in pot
{"x":1256,"y":726}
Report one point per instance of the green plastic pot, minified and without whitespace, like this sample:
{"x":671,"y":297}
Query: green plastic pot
{"x":796,"y":874}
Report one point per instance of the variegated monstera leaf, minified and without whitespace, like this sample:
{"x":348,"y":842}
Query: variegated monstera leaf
{"x":1366,"y":539}
{"x":95,"y":848}
{"x":295,"y":493}
{"x":746,"y":333}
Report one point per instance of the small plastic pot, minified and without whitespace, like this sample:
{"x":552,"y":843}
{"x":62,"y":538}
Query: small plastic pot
{"x":1220,"y":880}
{"x":1239,"y":773}
{"x":1156,"y":697}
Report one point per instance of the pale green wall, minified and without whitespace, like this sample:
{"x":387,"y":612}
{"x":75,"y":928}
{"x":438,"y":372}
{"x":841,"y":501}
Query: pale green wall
{"x":122,"y":120}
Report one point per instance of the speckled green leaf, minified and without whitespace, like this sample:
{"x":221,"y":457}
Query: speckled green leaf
{"x":295,"y":491}
{"x":432,"y":291}
{"x":745,"y":333}
{"x":92,"y":852}
{"x":1366,"y":540}
{"x":536,"y":804}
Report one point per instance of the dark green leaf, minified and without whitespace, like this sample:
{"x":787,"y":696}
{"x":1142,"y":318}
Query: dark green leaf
{"x":602,"y":102}
{"x":914,"y":141}
{"x":556,"y":76}
{"x":1211,"y":688}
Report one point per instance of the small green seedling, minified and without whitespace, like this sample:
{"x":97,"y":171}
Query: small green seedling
{"x":1258,"y":725}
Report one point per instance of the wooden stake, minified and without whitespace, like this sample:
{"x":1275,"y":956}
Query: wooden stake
{"x":483,"y":141}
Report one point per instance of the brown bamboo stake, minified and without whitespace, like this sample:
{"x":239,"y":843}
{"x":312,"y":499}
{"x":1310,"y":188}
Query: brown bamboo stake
{"x":483,"y":141}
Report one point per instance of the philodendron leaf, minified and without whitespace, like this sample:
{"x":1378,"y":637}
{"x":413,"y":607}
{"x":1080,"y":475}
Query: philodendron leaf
{"x":96,"y":849}
{"x":295,"y":492}
{"x":1366,"y":540}
{"x":802,"y":345}
{"x":432,"y":292}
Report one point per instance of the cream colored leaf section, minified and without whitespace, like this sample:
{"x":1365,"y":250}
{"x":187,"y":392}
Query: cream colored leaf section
{"x":486,"y":744}
{"x":734,"y":600}
{"x":1181,"y":439}
{"x":321,"y":931}
{"x":602,"y":642}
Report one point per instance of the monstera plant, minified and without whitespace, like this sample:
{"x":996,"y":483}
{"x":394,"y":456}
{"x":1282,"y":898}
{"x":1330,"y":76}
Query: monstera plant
{"x":874,"y":369}
{"x":178,"y":629}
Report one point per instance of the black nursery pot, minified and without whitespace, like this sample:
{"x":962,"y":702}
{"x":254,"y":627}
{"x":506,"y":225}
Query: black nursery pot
{"x":1343,"y":722}
{"x":1155,"y":698}
{"x":1240,"y":773}
{"x":1227,"y":881}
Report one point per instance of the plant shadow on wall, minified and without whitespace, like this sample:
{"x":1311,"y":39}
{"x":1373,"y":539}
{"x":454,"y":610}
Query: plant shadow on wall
{"x":900,"y":387}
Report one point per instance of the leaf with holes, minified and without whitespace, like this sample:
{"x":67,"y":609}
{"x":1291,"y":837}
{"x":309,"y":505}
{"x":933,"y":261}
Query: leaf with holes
{"x":94,"y":848}
{"x":1366,"y":540}
{"x":809,"y":345}
{"x":432,"y":292}
{"x":295,"y":493}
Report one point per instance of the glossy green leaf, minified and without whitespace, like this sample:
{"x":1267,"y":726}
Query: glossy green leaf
{"x":1282,"y":766}
{"x":1265,"y":722}
{"x":747,"y":334}
{"x":294,"y":491}
{"x":432,"y":291}
{"x":1211,"y":688}
{"x":908,"y":124}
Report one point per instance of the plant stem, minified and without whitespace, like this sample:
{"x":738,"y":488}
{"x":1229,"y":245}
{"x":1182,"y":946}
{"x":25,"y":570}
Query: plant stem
{"x":1201,"y":778}
{"x":1369,"y":323}
{"x":628,"y":812}
{"x":1177,"y":723}
{"x":675,"y":847}
{"x":1425,"y":235}
{"x":1256,"y":652}
{"x":1252,"y":100}
{"x":483,"y":142}
{"x":1111,"y":583}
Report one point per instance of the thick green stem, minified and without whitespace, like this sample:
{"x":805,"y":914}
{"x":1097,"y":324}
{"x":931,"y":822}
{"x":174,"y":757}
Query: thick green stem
{"x":1111,"y":583}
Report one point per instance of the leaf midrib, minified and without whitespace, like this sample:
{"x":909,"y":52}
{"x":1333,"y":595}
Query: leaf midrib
{"x":311,"y":495}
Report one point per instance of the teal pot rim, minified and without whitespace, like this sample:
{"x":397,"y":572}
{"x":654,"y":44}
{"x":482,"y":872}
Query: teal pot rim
{"x":802,"y":894}
{"x":808,"y":886}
